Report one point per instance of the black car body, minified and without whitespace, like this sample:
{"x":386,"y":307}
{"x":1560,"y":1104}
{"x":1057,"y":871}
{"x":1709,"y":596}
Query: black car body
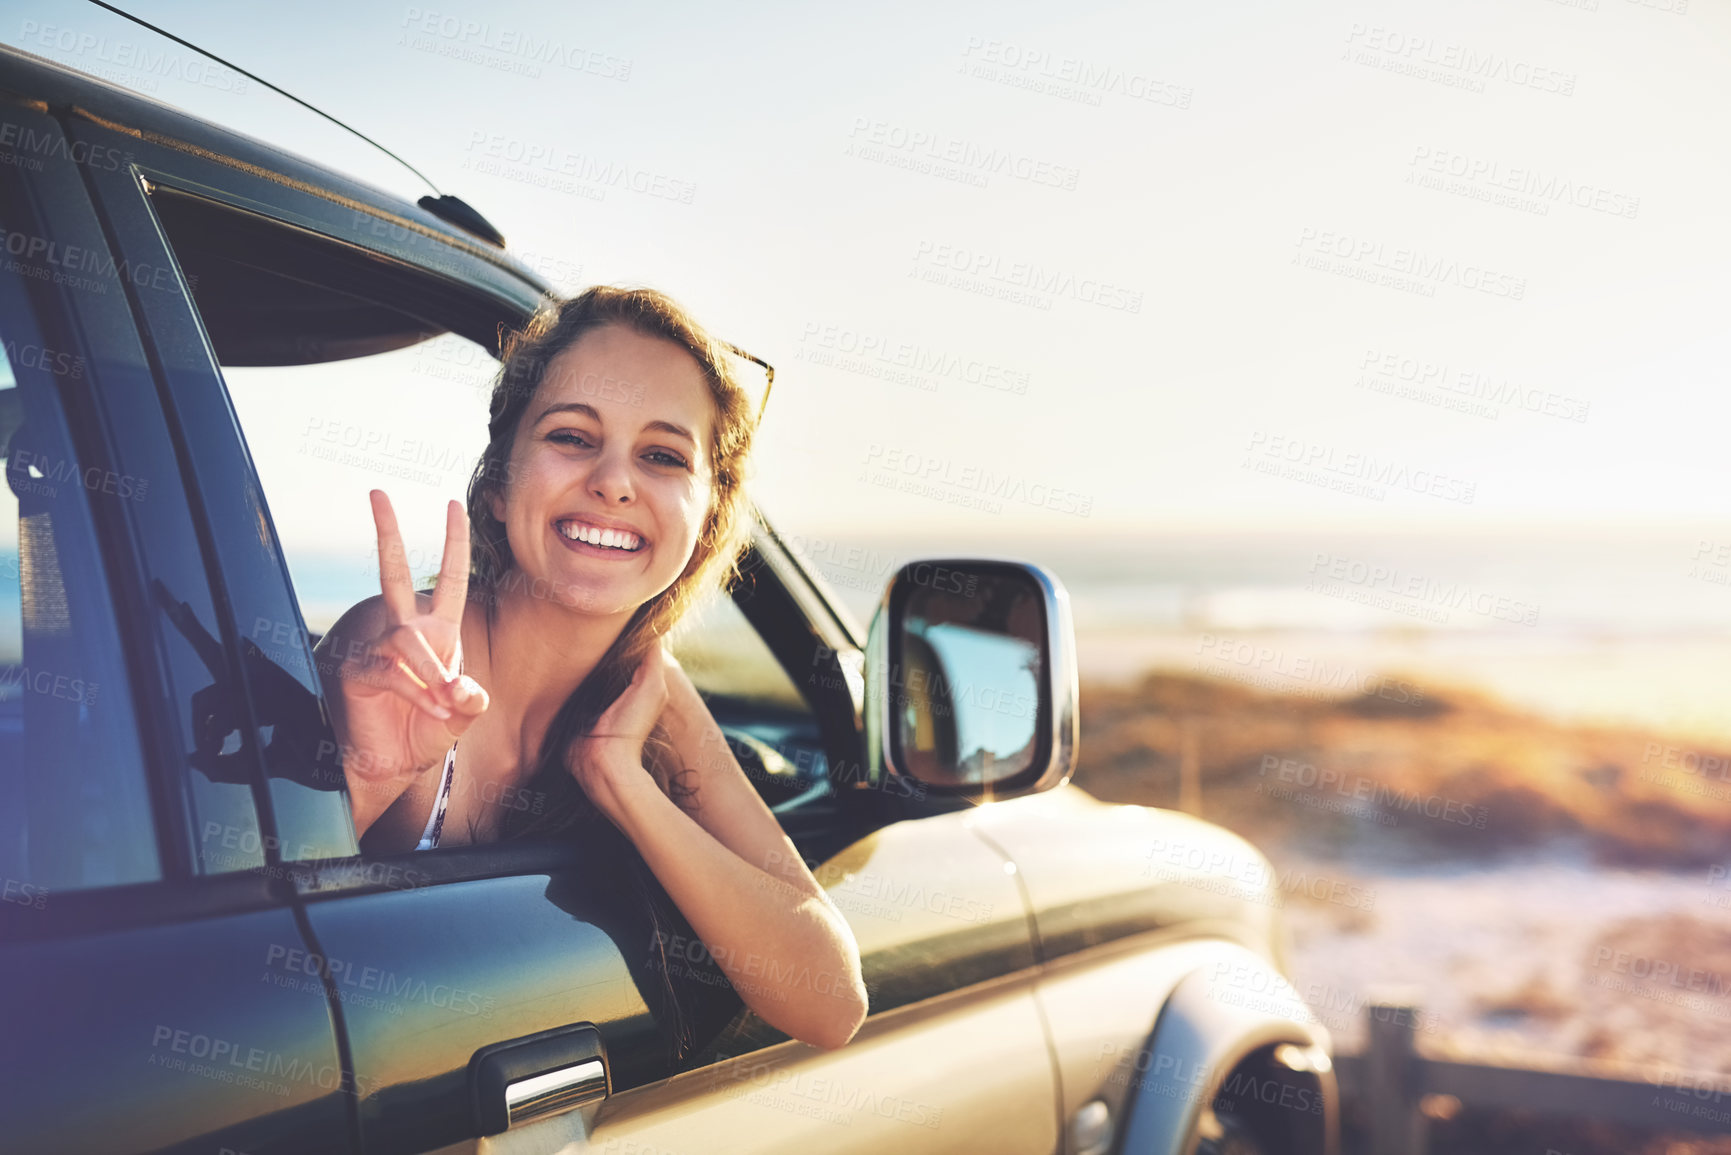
{"x":196,"y":955}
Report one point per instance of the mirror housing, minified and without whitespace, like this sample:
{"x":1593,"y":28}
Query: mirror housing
{"x":971,"y":679}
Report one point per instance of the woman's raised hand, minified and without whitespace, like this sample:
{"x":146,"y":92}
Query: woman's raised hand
{"x":404,"y":700}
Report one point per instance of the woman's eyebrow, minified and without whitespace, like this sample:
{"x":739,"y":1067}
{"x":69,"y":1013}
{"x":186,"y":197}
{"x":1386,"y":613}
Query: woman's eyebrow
{"x":588,"y":411}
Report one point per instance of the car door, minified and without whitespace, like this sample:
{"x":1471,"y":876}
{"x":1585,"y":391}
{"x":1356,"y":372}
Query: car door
{"x":468,"y":978}
{"x":137,"y":921}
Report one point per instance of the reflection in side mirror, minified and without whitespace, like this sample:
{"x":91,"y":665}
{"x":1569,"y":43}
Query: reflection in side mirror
{"x":971,"y":678}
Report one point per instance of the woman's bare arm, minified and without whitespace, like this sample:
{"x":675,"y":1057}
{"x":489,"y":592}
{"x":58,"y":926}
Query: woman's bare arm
{"x":788,"y":953}
{"x":736,"y":877}
{"x":728,"y":806}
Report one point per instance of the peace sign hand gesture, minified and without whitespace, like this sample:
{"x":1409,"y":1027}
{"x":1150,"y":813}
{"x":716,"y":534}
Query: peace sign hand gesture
{"x":402,"y":701}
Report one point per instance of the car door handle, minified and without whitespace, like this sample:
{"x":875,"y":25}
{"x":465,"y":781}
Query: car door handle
{"x":522,"y":1080}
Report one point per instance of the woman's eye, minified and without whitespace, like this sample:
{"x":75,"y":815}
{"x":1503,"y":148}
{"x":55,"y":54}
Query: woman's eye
{"x":581,"y":441}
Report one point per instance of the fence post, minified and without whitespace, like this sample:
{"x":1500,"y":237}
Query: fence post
{"x":1391,"y":1075}
{"x":1190,"y":766}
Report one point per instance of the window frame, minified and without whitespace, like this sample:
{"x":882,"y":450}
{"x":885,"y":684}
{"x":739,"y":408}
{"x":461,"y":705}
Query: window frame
{"x":133,"y":539}
{"x":799,"y":623}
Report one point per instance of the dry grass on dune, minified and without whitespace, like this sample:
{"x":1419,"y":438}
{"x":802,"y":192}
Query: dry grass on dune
{"x":1526,"y":1133}
{"x":1452,"y":774}
{"x":1372,"y":780}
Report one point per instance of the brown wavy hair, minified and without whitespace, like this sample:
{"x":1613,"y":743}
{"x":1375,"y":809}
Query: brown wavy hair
{"x":714,"y":564}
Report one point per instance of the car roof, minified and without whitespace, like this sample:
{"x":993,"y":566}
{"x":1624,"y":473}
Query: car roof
{"x":66,"y":92}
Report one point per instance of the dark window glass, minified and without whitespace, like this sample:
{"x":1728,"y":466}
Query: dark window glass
{"x":74,"y":809}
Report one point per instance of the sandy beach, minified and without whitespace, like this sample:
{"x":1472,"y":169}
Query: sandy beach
{"x":1551,"y":884}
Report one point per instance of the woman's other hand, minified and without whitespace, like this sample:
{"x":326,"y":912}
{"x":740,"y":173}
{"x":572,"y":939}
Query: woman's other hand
{"x":402,"y":702}
{"x":615,"y":750}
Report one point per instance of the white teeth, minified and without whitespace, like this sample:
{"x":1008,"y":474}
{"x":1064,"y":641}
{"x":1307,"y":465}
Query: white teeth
{"x":610,"y":538}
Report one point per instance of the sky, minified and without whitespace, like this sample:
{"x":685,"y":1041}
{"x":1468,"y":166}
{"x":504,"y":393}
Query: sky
{"x":1068,"y":270}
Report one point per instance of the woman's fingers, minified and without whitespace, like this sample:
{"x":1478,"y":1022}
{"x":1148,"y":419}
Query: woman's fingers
{"x":410,"y":645}
{"x":388,"y":674}
{"x":394,"y":580}
{"x":452,"y":591}
{"x":636,"y":710}
{"x":470,"y":702}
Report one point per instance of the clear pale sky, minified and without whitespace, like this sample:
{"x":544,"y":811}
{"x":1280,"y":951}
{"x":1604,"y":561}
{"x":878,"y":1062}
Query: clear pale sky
{"x":1266,"y":134}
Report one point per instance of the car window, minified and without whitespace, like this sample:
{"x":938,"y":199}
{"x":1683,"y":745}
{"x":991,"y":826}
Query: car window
{"x":725,"y":657}
{"x":77,"y":812}
{"x":348,"y":374}
{"x":413,"y":422}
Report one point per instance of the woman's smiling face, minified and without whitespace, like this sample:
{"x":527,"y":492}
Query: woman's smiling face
{"x":614,"y":447}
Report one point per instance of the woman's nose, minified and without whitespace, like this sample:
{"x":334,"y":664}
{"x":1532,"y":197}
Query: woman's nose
{"x":611,"y":478}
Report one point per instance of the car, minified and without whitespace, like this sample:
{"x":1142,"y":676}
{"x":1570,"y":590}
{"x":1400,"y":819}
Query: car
{"x":198,"y":955}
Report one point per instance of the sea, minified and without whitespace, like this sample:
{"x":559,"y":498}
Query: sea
{"x":1626,"y":626}
{"x":1619,"y":626}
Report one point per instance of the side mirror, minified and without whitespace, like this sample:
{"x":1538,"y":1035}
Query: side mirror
{"x":971,"y":685}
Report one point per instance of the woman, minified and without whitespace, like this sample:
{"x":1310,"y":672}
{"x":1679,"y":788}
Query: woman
{"x":610,"y":496}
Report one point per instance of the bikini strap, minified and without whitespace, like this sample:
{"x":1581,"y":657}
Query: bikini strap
{"x":444,"y":796}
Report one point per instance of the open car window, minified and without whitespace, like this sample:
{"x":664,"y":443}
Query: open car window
{"x":349,"y":374}
{"x":770,"y":727}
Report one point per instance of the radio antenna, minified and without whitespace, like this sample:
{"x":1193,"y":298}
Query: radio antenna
{"x":261,"y":80}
